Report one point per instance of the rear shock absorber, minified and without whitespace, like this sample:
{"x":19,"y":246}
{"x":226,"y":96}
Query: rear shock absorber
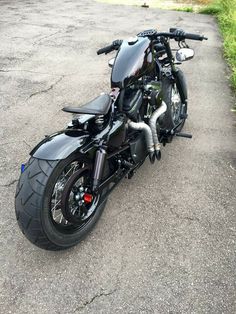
{"x":99,"y":166}
{"x":99,"y":121}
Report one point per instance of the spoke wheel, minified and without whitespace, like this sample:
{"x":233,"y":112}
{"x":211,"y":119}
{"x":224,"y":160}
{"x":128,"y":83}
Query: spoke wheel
{"x":176,"y":112}
{"x":175,"y":104}
{"x":49,"y":206}
{"x":75,"y":208}
{"x":56,"y":198}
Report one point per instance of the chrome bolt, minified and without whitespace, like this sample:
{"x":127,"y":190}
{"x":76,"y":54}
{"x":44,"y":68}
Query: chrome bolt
{"x":77,"y":197}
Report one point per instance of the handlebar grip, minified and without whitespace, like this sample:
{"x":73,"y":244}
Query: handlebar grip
{"x":106,"y":49}
{"x":114,"y":46}
{"x":194,"y":36}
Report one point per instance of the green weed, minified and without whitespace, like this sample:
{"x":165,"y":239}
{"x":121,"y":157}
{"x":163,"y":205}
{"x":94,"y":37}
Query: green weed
{"x":185,"y":9}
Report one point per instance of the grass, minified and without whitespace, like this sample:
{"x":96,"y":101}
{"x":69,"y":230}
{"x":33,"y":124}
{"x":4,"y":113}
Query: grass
{"x":185,"y":9}
{"x":210,"y":9}
{"x":225,"y":11}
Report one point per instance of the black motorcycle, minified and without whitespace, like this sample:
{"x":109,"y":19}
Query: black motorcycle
{"x":64,"y":186}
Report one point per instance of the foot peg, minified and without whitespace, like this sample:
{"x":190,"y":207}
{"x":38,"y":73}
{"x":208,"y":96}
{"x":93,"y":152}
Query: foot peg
{"x":127,"y":165}
{"x":184,"y":135}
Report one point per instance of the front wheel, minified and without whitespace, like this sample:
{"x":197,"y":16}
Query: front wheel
{"x":176,"y":102}
{"x":54,"y":205}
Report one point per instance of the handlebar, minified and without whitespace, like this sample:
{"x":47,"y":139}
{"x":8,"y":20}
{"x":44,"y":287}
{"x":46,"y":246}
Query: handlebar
{"x":175,"y":33}
{"x":179,"y":35}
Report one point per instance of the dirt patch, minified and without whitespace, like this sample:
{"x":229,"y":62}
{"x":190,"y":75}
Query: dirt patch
{"x":163,"y":4}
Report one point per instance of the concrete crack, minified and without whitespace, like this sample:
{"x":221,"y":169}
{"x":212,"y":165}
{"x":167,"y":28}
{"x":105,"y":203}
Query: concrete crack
{"x":44,"y":73}
{"x":9,"y":184}
{"x":45,"y":37}
{"x":195,"y":219}
{"x":96,"y":296}
{"x":180,"y":19}
{"x":232,"y":167}
{"x":184,"y":217}
{"x":47,"y":89}
{"x":27,"y":144}
{"x":29,"y":71}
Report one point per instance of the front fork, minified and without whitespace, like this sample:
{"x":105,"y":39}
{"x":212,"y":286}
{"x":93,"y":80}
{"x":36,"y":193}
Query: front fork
{"x":175,"y":71}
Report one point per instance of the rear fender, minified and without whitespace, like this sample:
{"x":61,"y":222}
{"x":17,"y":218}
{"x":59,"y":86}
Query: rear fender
{"x":60,"y":145}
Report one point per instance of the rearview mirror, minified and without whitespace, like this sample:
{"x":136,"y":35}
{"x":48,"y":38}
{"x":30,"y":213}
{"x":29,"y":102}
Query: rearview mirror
{"x":184,"y":54}
{"x":111,"y":62}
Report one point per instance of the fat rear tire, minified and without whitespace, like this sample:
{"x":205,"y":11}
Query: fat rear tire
{"x":32,"y":206}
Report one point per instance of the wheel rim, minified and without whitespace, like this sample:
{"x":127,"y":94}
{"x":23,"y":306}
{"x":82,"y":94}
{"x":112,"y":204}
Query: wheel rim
{"x":175,"y":104}
{"x":76,"y":207}
{"x":56,"y":212}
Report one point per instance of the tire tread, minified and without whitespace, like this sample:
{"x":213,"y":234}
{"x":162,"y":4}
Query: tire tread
{"x":29,"y":189}
{"x":31,"y":193}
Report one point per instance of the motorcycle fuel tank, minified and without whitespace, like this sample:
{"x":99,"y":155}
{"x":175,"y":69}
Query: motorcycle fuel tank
{"x":133,"y":60}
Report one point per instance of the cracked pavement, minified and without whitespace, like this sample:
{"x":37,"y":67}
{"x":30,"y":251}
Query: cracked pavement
{"x":166,"y":240}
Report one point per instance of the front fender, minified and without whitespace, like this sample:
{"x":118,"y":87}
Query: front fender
{"x":60,"y":145}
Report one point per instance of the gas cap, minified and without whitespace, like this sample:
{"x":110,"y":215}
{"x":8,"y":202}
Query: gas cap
{"x":132,"y":40}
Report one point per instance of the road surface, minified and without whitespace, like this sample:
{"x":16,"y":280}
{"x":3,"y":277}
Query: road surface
{"x":166,"y":241}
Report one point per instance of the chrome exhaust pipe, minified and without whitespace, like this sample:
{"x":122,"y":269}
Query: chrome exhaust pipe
{"x":153,"y":126}
{"x":142,"y":126}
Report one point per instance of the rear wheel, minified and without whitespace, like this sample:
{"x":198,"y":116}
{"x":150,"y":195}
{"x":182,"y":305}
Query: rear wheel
{"x":54,"y":205}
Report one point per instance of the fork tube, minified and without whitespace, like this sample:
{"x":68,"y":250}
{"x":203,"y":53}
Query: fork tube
{"x":169,"y":55}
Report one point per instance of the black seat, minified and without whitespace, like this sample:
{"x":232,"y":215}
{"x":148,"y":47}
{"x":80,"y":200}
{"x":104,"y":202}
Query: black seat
{"x":99,"y":105}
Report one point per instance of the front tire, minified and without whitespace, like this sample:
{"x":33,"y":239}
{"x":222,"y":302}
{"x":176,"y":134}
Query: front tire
{"x":36,"y":204}
{"x":176,"y":102}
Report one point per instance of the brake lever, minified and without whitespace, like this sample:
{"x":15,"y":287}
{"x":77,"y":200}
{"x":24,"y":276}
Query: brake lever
{"x":183,"y":44}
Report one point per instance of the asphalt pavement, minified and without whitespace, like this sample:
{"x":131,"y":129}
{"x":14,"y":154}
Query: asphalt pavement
{"x":166,"y":240}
